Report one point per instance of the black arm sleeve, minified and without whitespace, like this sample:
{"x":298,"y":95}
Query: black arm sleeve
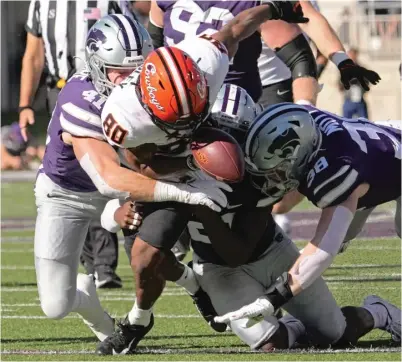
{"x":156,"y":35}
{"x":297,"y":55}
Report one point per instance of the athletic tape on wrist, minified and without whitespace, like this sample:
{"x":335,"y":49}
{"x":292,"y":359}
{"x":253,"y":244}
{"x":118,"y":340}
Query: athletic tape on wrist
{"x":107,"y":218}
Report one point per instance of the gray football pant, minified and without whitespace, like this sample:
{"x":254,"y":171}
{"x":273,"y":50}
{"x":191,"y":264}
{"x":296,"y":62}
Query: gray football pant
{"x":233,"y":288}
{"x":360,"y":219}
{"x":62,"y":222}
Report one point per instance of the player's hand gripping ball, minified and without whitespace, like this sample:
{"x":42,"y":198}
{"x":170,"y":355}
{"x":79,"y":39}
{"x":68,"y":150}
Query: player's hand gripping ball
{"x":218,"y":154}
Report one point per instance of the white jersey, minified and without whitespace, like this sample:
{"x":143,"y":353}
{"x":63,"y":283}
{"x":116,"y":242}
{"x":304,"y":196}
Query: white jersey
{"x":272,"y":69}
{"x":126,"y":123}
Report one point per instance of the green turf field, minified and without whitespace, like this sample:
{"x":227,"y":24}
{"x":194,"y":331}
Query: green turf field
{"x":370,"y":266}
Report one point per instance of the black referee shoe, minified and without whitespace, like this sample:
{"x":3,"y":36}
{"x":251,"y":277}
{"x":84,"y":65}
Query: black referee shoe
{"x":125,"y":338}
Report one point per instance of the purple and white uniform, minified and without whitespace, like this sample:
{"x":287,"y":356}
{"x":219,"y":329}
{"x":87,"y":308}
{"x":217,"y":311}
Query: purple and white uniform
{"x":352,"y":152}
{"x":189,"y":18}
{"x":77,"y":112}
{"x":67,"y":202}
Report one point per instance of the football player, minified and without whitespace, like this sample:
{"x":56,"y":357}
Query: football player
{"x":165,"y":102}
{"x":66,"y":198}
{"x":296,"y":147}
{"x":238,"y":263}
{"x":235,"y":264}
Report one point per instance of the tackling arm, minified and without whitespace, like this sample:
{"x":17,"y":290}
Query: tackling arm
{"x":319,"y":253}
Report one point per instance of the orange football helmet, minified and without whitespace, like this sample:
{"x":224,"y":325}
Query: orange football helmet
{"x":173,"y":89}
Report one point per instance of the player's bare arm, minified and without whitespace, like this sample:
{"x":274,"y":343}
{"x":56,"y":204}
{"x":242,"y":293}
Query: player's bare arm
{"x":103,"y":160}
{"x":234,"y":245}
{"x":328,"y":43}
{"x":249,"y":21}
{"x":289,"y":201}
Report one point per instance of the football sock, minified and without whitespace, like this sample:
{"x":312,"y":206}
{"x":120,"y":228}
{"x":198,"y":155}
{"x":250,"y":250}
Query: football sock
{"x":139,"y":316}
{"x":188,"y":280}
{"x":88,"y":309}
{"x":379,"y":313}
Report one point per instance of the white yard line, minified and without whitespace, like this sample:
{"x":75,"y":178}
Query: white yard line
{"x":212,"y":350}
{"x":168,"y":316}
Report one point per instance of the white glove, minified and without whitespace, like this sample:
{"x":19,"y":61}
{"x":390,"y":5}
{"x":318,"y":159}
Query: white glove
{"x":197,"y":192}
{"x":255,"y":312}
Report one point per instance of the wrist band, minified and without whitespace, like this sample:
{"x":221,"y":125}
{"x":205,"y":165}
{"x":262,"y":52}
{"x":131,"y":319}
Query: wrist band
{"x":339,"y":57}
{"x":20,"y":109}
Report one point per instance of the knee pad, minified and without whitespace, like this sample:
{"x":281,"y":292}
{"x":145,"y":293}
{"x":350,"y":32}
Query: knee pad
{"x":258,"y":334}
{"x":57,"y":308}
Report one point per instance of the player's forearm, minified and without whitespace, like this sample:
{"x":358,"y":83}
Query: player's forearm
{"x":322,"y":34}
{"x":32,"y":68}
{"x":305,"y":90}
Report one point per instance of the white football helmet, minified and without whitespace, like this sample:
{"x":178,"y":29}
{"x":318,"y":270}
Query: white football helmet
{"x":234,"y":108}
{"x":115,"y":41}
{"x":279,"y":144}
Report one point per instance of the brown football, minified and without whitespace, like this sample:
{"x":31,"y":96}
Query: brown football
{"x":218,"y":154}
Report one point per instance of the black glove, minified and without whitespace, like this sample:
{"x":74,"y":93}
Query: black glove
{"x":350,"y":70}
{"x":279,"y":293}
{"x":289,"y":11}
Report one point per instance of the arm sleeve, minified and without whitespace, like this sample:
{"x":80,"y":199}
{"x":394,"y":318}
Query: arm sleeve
{"x":156,"y":34}
{"x":33,"y":25}
{"x":298,"y":57}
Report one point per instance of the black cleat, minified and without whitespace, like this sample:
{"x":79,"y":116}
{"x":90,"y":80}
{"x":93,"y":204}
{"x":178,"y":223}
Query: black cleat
{"x":206,"y":309}
{"x":204,"y":306}
{"x":107,"y":279}
{"x":125,"y":338}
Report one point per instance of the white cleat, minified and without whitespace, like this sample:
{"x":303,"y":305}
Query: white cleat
{"x":104,"y":327}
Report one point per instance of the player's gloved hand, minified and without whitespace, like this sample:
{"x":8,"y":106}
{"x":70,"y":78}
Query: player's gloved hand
{"x":350,"y":70}
{"x":276,"y":296}
{"x":289,"y":11}
{"x":197,"y":192}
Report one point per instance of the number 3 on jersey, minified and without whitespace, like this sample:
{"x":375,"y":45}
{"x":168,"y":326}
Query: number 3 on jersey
{"x":113,"y":130}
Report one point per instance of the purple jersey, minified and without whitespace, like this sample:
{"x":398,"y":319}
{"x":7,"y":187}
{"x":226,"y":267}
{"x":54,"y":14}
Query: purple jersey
{"x":77,"y":112}
{"x":352,"y":152}
{"x":185,"y":18}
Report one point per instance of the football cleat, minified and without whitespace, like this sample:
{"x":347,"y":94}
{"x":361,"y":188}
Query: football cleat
{"x":125,"y":339}
{"x":107,"y":279}
{"x":393,"y":325}
{"x":205,"y":308}
{"x":101,"y":328}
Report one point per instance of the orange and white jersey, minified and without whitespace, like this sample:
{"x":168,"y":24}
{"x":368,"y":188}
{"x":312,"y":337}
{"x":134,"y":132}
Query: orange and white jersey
{"x":125,"y":121}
